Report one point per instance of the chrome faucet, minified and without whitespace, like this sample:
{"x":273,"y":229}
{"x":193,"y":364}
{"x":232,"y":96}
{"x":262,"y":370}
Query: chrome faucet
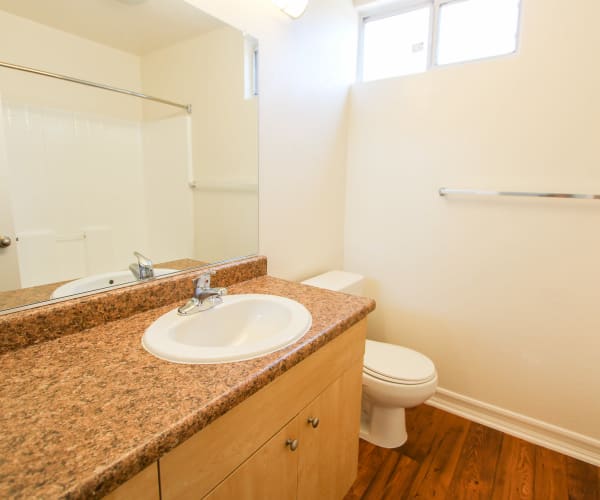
{"x":143,"y":270}
{"x":204,"y":297}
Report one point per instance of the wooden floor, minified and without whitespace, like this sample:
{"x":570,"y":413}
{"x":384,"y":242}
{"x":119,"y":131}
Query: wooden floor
{"x":448,"y":457}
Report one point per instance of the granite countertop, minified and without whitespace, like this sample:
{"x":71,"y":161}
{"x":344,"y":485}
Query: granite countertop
{"x":23,"y":296}
{"x":85,"y":412}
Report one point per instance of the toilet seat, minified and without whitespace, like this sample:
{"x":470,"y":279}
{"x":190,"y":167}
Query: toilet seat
{"x":397,"y":365}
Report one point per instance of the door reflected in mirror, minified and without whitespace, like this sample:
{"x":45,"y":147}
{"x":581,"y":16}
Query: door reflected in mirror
{"x":88,"y":176}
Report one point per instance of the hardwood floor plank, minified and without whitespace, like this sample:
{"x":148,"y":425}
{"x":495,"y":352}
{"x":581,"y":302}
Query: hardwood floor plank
{"x":436,"y":472}
{"x":476,"y":469}
{"x":515,"y":472}
{"x":401,"y":479}
{"x":383,"y":476}
{"x":370,"y":458}
{"x":550,"y":475}
{"x":423,"y":423}
{"x":416,"y":416}
{"x":583,"y":480}
{"x":448,"y":457}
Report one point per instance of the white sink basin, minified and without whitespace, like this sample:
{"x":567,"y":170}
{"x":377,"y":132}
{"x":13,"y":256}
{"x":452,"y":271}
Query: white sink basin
{"x":97,"y":281}
{"x":242,"y":327}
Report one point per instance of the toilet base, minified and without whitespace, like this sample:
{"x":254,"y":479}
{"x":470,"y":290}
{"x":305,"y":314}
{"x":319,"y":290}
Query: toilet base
{"x":383,"y":426}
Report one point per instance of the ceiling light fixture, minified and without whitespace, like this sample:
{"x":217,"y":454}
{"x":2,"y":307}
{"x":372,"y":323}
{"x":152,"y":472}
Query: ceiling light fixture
{"x":293,"y":8}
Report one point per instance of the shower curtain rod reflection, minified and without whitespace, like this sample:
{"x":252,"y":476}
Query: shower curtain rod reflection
{"x":187,"y":107}
{"x":479,"y":192}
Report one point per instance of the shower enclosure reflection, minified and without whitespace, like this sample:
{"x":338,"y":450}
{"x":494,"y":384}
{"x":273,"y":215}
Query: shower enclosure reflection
{"x":89,"y":176}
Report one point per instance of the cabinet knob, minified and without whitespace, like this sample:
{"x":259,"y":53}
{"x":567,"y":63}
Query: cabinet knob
{"x":314,"y":421}
{"x":5,"y":241}
{"x":292,"y":444}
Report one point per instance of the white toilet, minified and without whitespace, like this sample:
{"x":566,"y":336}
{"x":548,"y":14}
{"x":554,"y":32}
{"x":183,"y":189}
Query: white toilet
{"x":394,"y":377}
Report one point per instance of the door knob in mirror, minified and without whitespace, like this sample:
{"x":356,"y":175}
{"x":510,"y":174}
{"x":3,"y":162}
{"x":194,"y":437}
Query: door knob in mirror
{"x":5,"y":241}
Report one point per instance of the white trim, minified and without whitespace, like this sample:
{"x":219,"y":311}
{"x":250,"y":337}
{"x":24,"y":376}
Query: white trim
{"x":530,"y":429}
{"x":368,"y":8}
{"x":435,"y":34}
{"x":360,"y":49}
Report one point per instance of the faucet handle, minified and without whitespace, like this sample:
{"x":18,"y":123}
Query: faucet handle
{"x":142,"y":259}
{"x":144,"y":269}
{"x":202,"y":282}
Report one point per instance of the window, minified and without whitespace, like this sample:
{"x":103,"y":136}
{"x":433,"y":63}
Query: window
{"x":435,"y":33}
{"x":475,"y":29}
{"x":396,"y":45}
{"x":250,"y":67}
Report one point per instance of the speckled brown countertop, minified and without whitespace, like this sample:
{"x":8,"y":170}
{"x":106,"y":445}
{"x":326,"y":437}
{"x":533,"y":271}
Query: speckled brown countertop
{"x":23,"y":296}
{"x":83,"y":413}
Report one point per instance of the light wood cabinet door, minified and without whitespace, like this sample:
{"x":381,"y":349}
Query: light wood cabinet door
{"x":143,"y":486}
{"x":328,"y":458}
{"x":271,"y":473}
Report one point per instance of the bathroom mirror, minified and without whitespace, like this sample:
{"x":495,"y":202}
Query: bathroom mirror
{"x":90,"y":175}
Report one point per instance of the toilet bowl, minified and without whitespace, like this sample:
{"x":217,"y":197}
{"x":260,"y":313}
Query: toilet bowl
{"x":394,"y":377}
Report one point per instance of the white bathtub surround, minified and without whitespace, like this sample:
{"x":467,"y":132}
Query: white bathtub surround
{"x":31,"y":246}
{"x":99,"y":250}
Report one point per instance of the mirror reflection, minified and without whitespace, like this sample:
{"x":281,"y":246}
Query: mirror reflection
{"x":100,"y":188}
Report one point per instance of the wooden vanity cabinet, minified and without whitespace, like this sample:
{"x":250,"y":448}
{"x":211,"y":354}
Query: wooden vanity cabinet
{"x":314,"y":456}
{"x":328,"y":458}
{"x":243,"y":454}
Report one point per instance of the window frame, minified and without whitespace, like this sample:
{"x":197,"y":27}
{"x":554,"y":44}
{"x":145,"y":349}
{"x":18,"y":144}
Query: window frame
{"x":402,"y":7}
{"x":251,"y":63}
{"x":391,"y":11}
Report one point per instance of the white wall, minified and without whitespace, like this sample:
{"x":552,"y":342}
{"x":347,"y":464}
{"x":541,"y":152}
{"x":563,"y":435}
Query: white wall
{"x":500,"y":293}
{"x":27,"y":43}
{"x":208,"y":72}
{"x":169,"y":209}
{"x":306,"y":67}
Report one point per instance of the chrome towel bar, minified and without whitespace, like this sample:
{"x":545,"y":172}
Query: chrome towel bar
{"x":479,"y":192}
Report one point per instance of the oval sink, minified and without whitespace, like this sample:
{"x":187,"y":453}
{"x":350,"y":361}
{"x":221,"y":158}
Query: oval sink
{"x":242,"y":327}
{"x":103,"y":280}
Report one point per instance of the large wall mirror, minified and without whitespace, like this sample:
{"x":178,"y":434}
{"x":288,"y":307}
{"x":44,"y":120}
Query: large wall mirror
{"x":88,"y":176}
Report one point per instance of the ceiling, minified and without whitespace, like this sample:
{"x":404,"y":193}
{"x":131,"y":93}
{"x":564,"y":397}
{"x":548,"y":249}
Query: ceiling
{"x":135,"y":26}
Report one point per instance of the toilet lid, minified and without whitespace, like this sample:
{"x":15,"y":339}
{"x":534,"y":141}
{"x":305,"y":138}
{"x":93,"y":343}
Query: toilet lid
{"x":397,"y":364}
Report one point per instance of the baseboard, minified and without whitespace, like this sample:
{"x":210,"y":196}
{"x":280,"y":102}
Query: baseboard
{"x":535,"y":431}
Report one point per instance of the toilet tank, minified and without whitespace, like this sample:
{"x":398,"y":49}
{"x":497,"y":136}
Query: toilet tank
{"x":339,"y":281}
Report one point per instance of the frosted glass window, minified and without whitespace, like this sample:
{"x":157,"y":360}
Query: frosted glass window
{"x":474,"y":29}
{"x":396,"y":45}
